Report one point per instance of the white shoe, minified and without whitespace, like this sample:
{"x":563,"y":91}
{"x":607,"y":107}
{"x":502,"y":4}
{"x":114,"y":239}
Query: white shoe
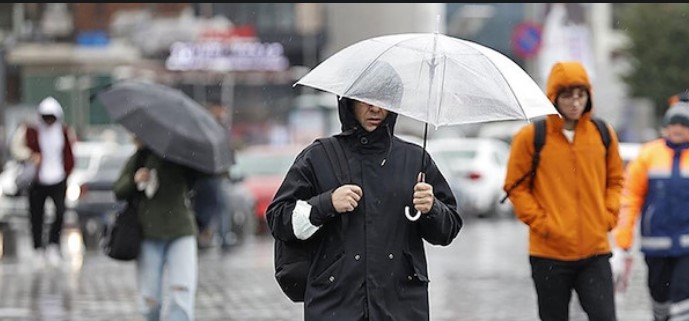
{"x":53,"y":256}
{"x":37,"y":260}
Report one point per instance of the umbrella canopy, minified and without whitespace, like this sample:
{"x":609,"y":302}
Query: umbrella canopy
{"x":170,"y":123}
{"x":444,"y":80}
{"x":432,"y":78}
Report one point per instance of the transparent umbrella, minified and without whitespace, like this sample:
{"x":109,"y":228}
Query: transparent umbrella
{"x":433,"y":78}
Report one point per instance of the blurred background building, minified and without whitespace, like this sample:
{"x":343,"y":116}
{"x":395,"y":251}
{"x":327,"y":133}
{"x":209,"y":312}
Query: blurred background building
{"x":248,"y":55}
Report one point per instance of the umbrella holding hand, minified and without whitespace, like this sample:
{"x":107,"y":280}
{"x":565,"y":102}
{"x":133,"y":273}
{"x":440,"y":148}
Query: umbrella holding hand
{"x":346,"y":198}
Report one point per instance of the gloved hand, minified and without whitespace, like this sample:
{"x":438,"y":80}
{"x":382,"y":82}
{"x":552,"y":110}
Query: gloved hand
{"x":621,"y":264}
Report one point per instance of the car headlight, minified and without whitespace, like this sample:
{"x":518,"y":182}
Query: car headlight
{"x":73,"y":192}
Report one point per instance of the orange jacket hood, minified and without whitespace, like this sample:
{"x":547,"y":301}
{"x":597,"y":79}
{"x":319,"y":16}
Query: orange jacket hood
{"x":564,"y":75}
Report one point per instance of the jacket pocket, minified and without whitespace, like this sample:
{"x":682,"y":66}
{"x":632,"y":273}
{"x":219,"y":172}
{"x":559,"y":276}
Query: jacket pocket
{"x":329,"y":274}
{"x":414,"y":283}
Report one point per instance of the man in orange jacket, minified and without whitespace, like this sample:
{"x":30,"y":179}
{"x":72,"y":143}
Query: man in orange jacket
{"x":656,"y":192}
{"x":573,"y":202}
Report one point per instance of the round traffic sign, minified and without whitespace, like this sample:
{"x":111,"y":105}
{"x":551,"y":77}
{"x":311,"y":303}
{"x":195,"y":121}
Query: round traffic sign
{"x":526,"y":39}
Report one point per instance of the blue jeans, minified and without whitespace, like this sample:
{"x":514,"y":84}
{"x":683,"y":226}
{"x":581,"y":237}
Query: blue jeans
{"x":212,"y":205}
{"x":178,"y":258}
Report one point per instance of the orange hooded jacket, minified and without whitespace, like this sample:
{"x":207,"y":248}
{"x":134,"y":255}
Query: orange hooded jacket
{"x":576,"y":192}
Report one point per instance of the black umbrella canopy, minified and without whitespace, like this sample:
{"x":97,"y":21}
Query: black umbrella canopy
{"x":170,"y":123}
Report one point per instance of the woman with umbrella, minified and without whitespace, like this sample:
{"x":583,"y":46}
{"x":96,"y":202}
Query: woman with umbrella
{"x":169,"y":231}
{"x":179,"y":142}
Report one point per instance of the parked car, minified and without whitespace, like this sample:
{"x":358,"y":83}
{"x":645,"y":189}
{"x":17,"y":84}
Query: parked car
{"x":475,"y":168}
{"x":261,"y":169}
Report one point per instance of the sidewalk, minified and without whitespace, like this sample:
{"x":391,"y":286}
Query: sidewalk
{"x":480,"y":277}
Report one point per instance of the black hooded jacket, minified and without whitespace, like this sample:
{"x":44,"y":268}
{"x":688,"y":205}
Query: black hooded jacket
{"x":369,"y":264}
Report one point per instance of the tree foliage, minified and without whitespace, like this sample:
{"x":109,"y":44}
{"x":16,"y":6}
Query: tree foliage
{"x":658,"y":50}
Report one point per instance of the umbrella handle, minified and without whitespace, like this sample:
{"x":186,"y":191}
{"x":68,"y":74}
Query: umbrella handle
{"x":421,"y":178}
{"x":409,"y":217}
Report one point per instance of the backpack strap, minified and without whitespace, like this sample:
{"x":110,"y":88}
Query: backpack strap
{"x":337,"y":158}
{"x":538,"y":142}
{"x":339,"y":164}
{"x":604,"y":133}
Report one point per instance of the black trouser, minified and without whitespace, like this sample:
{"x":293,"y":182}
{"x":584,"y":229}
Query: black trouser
{"x":668,"y":284}
{"x":591,"y":278}
{"x":37,"y":196}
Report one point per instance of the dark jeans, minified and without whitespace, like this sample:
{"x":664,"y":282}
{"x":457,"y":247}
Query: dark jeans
{"x":591,"y":278}
{"x":668,"y":284}
{"x":212,"y":205}
{"x":37,"y":196}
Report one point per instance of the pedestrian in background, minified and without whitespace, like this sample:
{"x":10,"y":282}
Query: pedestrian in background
{"x":368,"y":260}
{"x":211,"y":197}
{"x":48,"y":144}
{"x":169,"y":231}
{"x":574,"y":201}
{"x":656,"y":192}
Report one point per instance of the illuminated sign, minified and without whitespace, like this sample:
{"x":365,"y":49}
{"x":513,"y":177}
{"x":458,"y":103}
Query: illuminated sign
{"x":224,"y":56}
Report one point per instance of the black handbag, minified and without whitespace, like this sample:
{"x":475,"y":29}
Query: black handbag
{"x":122,"y":238}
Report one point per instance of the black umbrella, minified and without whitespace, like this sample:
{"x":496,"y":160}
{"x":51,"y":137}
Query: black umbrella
{"x":170,"y":123}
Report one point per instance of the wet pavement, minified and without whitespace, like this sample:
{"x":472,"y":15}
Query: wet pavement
{"x":483,"y":276}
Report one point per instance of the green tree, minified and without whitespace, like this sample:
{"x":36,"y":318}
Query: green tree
{"x":658,"y":50}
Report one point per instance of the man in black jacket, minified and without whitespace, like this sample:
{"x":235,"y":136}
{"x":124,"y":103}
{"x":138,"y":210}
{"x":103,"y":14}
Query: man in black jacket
{"x":368,"y":262}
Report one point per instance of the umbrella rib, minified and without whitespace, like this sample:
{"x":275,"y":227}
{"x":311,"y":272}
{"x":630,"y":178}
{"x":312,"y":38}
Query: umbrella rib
{"x":442,"y":87}
{"x":514,"y":93}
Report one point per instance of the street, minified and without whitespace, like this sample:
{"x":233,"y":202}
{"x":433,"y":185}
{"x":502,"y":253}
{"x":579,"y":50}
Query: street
{"x":483,"y":276}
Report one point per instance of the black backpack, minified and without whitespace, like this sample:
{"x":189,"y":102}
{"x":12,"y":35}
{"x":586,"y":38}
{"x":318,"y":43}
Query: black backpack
{"x":539,"y":141}
{"x":293,"y":259}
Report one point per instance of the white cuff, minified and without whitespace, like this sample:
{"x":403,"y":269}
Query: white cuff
{"x":301,"y":225}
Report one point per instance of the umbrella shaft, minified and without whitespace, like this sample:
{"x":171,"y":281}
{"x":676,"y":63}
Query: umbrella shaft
{"x":423,"y":154}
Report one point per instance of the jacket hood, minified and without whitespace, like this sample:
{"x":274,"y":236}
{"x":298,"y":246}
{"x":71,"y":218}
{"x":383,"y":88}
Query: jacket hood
{"x":351,"y":126}
{"x":379,"y":85}
{"x":50,"y":106}
{"x":568,"y":74}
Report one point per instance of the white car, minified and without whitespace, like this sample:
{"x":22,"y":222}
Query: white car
{"x":475,"y":168}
